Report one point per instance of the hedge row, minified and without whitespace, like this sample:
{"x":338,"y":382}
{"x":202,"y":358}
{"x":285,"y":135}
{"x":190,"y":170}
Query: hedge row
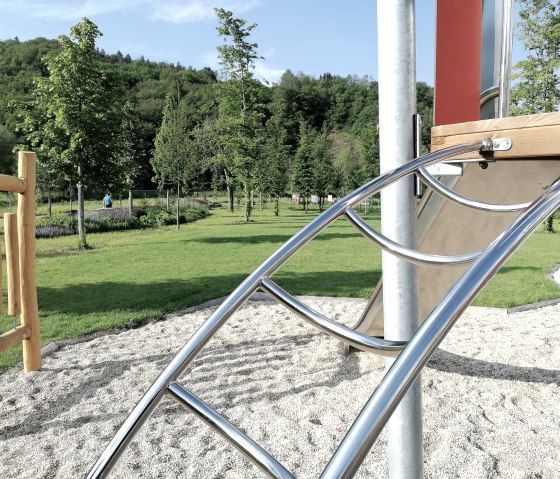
{"x":114,"y":220}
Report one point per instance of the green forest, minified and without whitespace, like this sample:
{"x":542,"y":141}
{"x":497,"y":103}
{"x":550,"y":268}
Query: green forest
{"x":178,"y":126}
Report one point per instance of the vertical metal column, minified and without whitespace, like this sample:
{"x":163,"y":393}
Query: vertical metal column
{"x":397,"y":105}
{"x":506,"y":47}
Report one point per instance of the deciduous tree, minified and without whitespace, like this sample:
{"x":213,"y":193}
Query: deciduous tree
{"x":239,"y":116}
{"x":75,"y":115}
{"x":537,"y":89}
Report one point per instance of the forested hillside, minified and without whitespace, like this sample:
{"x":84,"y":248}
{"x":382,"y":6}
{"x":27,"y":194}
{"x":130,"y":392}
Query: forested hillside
{"x":332,"y":119}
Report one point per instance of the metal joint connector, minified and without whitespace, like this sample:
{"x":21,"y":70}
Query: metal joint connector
{"x":496,"y":144}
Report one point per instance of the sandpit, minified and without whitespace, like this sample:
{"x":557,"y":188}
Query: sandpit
{"x":491,"y":398}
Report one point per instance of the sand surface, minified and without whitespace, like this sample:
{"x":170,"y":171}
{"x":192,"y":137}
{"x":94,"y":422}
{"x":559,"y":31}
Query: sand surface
{"x":491,"y":398}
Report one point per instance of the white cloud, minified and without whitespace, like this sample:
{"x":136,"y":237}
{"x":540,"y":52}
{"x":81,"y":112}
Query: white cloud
{"x":176,"y":11}
{"x":193,"y":11}
{"x":184,"y":12}
{"x":262,"y":72}
{"x":68,"y":10}
{"x":268,"y":75}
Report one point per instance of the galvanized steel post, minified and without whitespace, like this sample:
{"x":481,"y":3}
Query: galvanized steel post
{"x":397,"y":106}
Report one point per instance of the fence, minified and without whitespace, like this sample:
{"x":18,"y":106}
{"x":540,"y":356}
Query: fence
{"x":19,"y":232}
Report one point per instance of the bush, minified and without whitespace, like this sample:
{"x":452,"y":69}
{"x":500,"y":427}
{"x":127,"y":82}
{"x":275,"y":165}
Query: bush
{"x":114,"y":219}
{"x":51,"y":232}
{"x":65,"y":224}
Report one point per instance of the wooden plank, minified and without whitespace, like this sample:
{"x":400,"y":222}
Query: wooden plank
{"x":509,"y":123}
{"x":13,"y":337}
{"x":541,"y":141}
{"x":11,"y":183}
{"x":27,"y":249}
{"x":12,"y":263}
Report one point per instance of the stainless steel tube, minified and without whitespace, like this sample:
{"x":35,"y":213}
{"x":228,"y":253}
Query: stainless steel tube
{"x":397,"y":108}
{"x":489,"y":94}
{"x":192,"y":347}
{"x":505,"y":59}
{"x":249,"y":448}
{"x":464,"y":201}
{"x":407,"y":254}
{"x":377,"y":411}
{"x":336,"y":330}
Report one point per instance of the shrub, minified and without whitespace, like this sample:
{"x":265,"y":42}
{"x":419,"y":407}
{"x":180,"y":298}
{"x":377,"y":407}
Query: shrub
{"x":51,"y":232}
{"x":114,"y":219}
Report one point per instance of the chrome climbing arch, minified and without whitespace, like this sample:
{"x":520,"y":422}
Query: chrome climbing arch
{"x":411,"y":359}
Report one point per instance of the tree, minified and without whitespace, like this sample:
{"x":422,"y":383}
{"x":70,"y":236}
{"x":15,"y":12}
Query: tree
{"x":7,"y":143}
{"x":275,"y":159}
{"x":174,"y":159}
{"x":74,"y":119}
{"x":538,"y":87}
{"x":323,"y":168}
{"x":130,"y":152}
{"x":302,"y":167}
{"x":239,"y":116}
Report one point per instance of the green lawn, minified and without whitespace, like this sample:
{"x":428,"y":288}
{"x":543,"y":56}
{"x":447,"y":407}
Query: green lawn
{"x":131,"y":276}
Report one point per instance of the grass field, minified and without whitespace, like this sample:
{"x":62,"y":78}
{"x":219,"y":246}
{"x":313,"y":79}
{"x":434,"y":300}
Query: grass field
{"x":131,"y":276}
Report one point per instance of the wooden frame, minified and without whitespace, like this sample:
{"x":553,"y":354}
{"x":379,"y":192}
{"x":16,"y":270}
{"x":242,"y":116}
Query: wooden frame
{"x":20,"y":251}
{"x":532,"y":135}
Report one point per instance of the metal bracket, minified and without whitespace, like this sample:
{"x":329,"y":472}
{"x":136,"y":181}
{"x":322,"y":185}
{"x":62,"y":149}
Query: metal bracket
{"x":468,"y":160}
{"x":496,"y":144}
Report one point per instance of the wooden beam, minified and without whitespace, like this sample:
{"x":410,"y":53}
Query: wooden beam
{"x":532,"y":136}
{"x":11,"y":183}
{"x":12,"y":263}
{"x":13,"y":337}
{"x":27,"y":249}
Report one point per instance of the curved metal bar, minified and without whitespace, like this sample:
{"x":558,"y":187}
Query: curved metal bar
{"x":249,"y":448}
{"x":379,"y":346}
{"x":489,"y":94}
{"x":377,"y":411}
{"x":192,"y":347}
{"x":407,"y":254}
{"x":462,"y":200}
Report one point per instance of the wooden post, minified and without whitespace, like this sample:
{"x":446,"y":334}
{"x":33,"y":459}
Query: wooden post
{"x":26,"y":240}
{"x":12,"y":263}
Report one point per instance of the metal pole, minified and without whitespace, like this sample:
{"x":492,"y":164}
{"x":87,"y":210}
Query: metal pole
{"x":397,"y":105}
{"x":505,"y":59}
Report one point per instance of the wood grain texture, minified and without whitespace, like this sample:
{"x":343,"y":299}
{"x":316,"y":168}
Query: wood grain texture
{"x":12,"y":263}
{"x":496,"y":124}
{"x":532,"y":136}
{"x":27,"y":249}
{"x":12,"y":183}
{"x":13,"y":337}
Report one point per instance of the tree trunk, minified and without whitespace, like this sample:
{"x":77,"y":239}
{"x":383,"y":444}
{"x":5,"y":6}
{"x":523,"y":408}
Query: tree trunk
{"x":229,"y":188}
{"x":277,"y":205}
{"x":49,"y":201}
{"x":81,"y":217}
{"x":248,"y":203}
{"x":130,"y":203}
{"x":178,"y":198}
{"x":70,"y":194}
{"x":168,"y":202}
{"x":231,"y":198}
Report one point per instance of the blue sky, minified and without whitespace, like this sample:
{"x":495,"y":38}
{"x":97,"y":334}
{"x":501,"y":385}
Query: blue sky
{"x":309,"y":36}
